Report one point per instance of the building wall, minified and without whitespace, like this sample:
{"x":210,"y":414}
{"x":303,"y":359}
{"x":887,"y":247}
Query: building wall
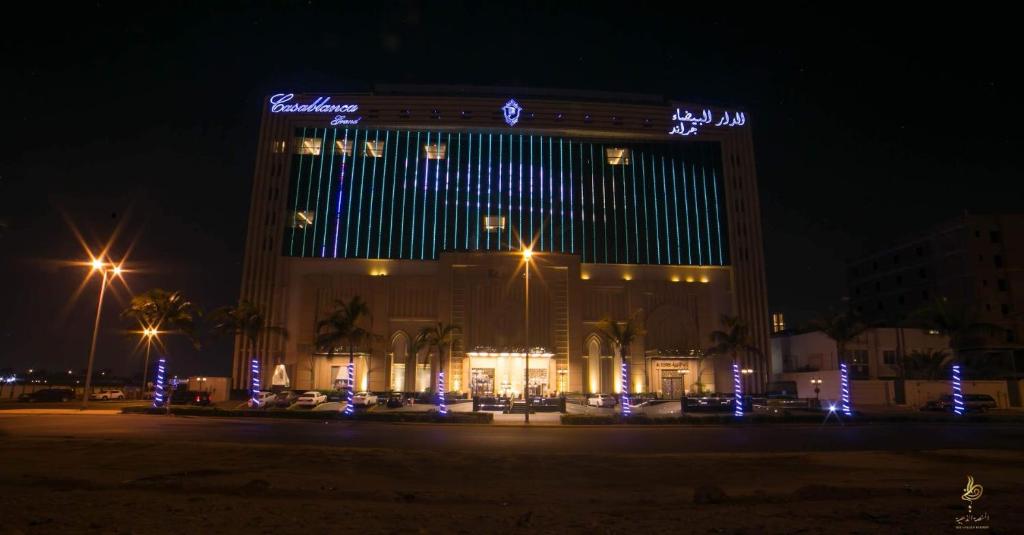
{"x":483,"y":293}
{"x":815,"y":351}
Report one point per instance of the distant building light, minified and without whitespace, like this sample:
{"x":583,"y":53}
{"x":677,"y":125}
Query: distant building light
{"x":778,"y":322}
{"x":343,"y":147}
{"x":302,"y":219}
{"x":436,"y":151}
{"x":308,"y":146}
{"x":494,"y":223}
{"x":933,"y":331}
{"x":373,"y":149}
{"x":617,"y":156}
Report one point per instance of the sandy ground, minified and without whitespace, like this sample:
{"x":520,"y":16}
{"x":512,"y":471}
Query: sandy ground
{"x":68,"y":485}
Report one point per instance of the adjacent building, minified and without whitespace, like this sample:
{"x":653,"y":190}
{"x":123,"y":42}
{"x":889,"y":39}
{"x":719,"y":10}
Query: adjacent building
{"x":976,"y":259}
{"x":422,"y":201}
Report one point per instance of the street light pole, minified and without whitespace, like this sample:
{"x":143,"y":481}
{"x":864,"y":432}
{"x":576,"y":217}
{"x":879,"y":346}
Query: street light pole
{"x":527,"y":253}
{"x":92,"y":347}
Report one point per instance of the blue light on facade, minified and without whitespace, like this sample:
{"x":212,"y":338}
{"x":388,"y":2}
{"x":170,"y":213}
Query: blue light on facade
{"x":347,"y":207}
{"x":626,"y":410}
{"x":254,"y":378}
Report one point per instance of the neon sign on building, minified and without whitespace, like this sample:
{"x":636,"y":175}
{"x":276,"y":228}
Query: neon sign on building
{"x":688,"y":124}
{"x":283,"y":103}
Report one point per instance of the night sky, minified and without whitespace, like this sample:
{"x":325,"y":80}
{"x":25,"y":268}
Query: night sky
{"x":866,"y":125}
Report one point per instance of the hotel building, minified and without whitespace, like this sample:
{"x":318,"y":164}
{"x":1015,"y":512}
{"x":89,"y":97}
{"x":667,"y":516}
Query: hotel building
{"x":421,"y":201}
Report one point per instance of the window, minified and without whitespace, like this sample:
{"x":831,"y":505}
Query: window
{"x":302,"y":219}
{"x":923,"y":273}
{"x":1005,"y":309}
{"x":278,"y":146}
{"x":617,"y":156}
{"x":398,"y":377}
{"x":889,"y":357}
{"x":436,"y":151}
{"x":308,"y":145}
{"x":373,"y":149}
{"x":343,"y":147}
{"x":1002,"y":285}
{"x":998,"y":260}
{"x":995,"y":236}
{"x":859,"y":364}
{"x":494,"y":223}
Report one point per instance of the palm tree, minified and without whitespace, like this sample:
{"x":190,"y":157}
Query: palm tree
{"x":342,"y":325}
{"x":244,"y":319}
{"x":168,"y":311}
{"x":957,"y":321}
{"x":439,"y":337}
{"x":622,"y":334}
{"x":842,"y":328}
{"x":925,"y":364}
{"x":732,"y":339}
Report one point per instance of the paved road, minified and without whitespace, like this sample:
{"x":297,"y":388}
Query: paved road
{"x":763,"y":438}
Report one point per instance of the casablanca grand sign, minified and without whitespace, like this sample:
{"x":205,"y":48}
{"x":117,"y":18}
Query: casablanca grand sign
{"x":284,"y":103}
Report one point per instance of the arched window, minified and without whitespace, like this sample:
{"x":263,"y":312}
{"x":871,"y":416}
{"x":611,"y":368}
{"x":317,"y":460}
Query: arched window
{"x":399,"y":360}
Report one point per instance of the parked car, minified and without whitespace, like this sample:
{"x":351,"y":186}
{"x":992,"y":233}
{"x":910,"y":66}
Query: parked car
{"x":107,"y":395}
{"x":261,"y":400}
{"x":285,"y":398}
{"x":311,"y":398}
{"x":201,"y":398}
{"x":972,"y":402}
{"x":394,"y":401}
{"x":48,"y":394}
{"x":337,"y":396}
{"x":364,"y":399}
{"x":182,"y":396}
{"x":709,"y":402}
{"x":601,"y":400}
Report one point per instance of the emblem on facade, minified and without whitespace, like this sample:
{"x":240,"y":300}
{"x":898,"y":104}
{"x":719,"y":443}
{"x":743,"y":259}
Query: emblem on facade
{"x":511,"y":109}
{"x":972,"y":520}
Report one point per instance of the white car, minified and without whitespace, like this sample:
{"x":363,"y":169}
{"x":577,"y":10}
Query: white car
{"x":107,"y":395}
{"x":601,"y":400}
{"x":364,"y":399}
{"x":261,"y":399}
{"x":311,"y":399}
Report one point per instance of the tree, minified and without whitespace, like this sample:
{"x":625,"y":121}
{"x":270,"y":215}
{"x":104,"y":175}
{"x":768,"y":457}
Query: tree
{"x":842,"y":328}
{"x":702,"y":360}
{"x":439,"y":337}
{"x":167,"y":311}
{"x":343,"y":326}
{"x":925,"y":364}
{"x":732,"y":339}
{"x":416,"y":346}
{"x":621,"y":335}
{"x":244,"y":319}
{"x":957,"y":321}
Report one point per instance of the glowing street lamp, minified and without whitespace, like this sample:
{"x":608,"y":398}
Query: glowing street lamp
{"x":817,"y":389}
{"x":108,"y":270}
{"x":527,"y":255}
{"x":148,"y":333}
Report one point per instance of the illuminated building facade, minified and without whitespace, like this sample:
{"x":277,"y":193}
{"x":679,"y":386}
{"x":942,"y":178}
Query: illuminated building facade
{"x":421,"y":201}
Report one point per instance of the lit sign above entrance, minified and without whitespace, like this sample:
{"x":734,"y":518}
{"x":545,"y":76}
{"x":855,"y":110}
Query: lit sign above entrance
{"x":688,"y":124}
{"x":284,"y":103}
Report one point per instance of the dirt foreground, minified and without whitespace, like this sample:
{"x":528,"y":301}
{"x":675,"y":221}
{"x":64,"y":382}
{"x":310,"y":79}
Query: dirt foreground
{"x":135,"y":486}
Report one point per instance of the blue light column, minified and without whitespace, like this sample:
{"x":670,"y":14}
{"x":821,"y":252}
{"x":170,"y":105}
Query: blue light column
{"x":625,"y":388}
{"x":441,"y":407}
{"x":844,"y":385}
{"x":737,"y":388}
{"x":254,"y":390}
{"x":958,"y":395}
{"x":159,"y":396}
{"x":350,"y":408}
